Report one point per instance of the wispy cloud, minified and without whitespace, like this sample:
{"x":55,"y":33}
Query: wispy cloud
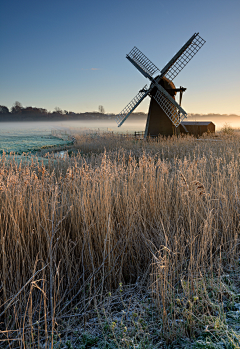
{"x":91,"y":69}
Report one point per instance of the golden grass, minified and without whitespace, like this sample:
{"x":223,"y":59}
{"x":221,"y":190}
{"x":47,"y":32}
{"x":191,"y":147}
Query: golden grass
{"x":113,"y":212}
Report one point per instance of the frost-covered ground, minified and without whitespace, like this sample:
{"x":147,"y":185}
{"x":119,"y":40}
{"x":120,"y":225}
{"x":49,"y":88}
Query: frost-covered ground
{"x":30,"y":137}
{"x":21,"y":143}
{"x":25,"y":137}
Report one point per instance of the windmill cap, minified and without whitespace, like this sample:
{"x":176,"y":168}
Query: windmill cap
{"x":168,"y":84}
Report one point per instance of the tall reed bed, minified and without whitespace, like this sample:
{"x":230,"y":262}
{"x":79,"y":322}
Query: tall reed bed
{"x":78,"y":226}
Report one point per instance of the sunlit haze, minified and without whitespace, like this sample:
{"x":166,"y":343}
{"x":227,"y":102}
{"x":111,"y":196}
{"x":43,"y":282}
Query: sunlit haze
{"x":71,"y":54}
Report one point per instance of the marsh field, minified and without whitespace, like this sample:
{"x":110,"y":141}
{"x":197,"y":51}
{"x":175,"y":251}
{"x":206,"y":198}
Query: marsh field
{"x":122,"y":243}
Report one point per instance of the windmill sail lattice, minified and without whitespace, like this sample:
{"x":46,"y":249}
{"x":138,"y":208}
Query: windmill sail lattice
{"x":123,"y":115}
{"x":172,"y":111}
{"x":181,"y":59}
{"x":142,"y":63}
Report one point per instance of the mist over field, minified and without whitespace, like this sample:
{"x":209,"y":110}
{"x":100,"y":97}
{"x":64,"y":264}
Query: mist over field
{"x":219,"y":120}
{"x":94,"y":120}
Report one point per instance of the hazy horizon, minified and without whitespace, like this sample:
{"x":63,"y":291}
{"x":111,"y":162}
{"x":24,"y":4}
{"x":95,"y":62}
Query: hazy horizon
{"x":131,"y":125}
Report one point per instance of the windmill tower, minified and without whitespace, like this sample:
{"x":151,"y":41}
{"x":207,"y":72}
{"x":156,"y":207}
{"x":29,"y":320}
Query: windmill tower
{"x":165,"y":114}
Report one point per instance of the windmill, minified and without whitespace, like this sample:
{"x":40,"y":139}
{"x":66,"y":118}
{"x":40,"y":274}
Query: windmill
{"x":165,"y":114}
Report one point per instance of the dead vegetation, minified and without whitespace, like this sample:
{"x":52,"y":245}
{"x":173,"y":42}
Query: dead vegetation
{"x":77,"y":231}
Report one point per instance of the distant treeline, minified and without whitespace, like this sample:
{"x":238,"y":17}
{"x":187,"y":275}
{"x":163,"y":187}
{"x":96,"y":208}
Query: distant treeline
{"x":20,"y":113}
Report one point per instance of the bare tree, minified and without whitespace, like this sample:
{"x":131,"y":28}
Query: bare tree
{"x":16,"y":108}
{"x":58,"y":110}
{"x":101,"y":109}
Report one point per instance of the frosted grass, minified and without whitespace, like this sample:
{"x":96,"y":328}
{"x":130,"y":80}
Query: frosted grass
{"x":24,"y":144}
{"x":23,"y":138}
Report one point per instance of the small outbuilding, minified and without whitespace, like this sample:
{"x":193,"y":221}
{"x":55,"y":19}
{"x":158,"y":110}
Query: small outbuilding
{"x":197,"y":128}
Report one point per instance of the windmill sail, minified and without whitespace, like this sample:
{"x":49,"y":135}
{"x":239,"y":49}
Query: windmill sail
{"x":142,"y":63}
{"x":175,"y":113}
{"x":184,"y":55}
{"x":124,"y":114}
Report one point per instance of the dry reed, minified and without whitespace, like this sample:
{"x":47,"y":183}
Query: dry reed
{"x":78,"y":226}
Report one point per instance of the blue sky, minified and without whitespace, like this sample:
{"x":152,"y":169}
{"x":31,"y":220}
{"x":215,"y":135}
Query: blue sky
{"x":71,"y":54}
